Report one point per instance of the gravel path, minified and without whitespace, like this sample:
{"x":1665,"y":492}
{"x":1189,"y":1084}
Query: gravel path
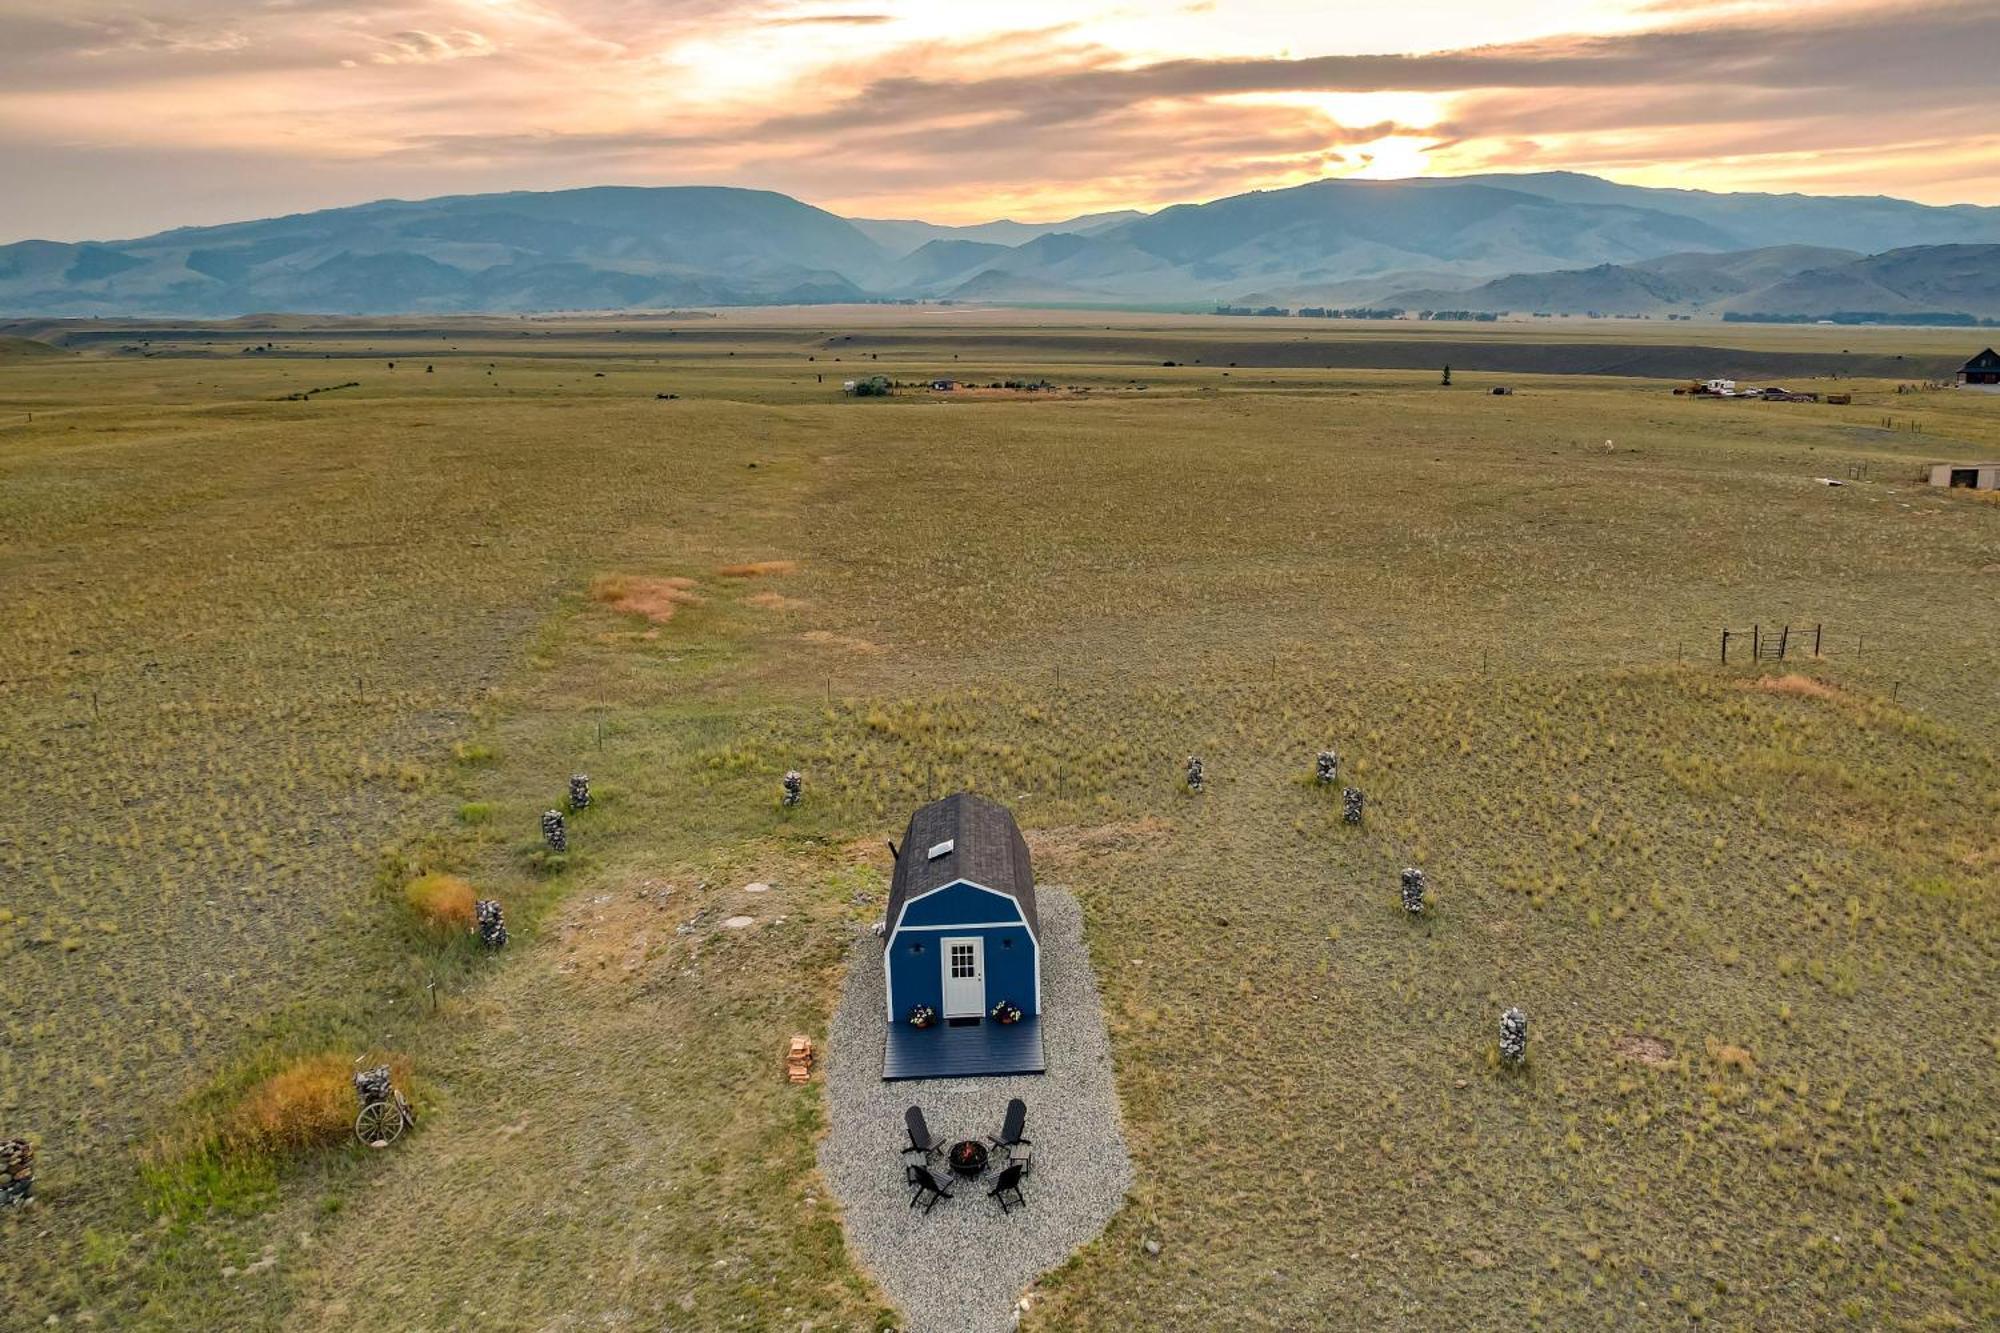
{"x":963,"y":1267}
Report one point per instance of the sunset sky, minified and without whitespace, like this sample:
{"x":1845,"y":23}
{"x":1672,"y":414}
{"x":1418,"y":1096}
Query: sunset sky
{"x":118,"y":119}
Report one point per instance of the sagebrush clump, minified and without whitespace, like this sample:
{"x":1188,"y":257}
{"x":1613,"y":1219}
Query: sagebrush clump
{"x":442,"y":901}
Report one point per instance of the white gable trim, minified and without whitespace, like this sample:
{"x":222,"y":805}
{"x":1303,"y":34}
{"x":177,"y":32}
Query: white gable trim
{"x":889,"y":937}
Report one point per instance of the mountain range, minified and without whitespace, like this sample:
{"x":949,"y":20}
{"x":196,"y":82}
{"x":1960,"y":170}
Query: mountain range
{"x":1543,"y":241}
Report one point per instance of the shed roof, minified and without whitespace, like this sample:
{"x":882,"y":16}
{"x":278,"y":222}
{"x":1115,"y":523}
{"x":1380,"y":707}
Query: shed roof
{"x":1986,"y":360}
{"x":987,"y":848}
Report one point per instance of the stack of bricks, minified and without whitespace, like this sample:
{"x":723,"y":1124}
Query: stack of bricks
{"x":1513,"y":1036}
{"x":491,"y":924}
{"x":554,"y":832}
{"x":17,"y":1171}
{"x":1413,"y":891}
{"x":372,"y":1085}
{"x":1351,"y":801}
{"x":799,"y":1060}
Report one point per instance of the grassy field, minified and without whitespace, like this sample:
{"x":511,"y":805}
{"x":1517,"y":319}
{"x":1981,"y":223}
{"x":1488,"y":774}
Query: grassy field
{"x":270,"y":660}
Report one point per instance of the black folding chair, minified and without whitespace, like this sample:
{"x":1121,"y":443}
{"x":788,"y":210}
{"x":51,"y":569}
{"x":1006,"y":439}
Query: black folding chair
{"x":928,"y":1188}
{"x":922,"y":1141}
{"x":1009,"y":1139}
{"x":1009,"y":1183}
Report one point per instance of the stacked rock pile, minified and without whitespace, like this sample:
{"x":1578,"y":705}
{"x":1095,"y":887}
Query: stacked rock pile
{"x":1413,"y":891}
{"x":1350,"y":803}
{"x":372,"y":1085}
{"x":17,"y":1171}
{"x":1194,"y":774}
{"x":579,"y":791}
{"x":1326,"y":768}
{"x":554,"y":832}
{"x":490,"y":922}
{"x":1513,"y":1036}
{"x":795,"y":787}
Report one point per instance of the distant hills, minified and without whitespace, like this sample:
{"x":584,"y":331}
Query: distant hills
{"x":1791,"y":281}
{"x":1547,"y":241}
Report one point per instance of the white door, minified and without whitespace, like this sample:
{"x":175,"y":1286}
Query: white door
{"x":964,"y":962}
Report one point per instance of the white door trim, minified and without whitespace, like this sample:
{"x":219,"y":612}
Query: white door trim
{"x":964,"y":997}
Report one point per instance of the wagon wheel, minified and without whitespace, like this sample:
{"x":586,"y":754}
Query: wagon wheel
{"x":379,"y":1124}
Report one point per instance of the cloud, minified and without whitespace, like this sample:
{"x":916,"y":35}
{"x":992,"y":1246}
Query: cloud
{"x":417,"y":47}
{"x":832,"y":20}
{"x":900,"y":106}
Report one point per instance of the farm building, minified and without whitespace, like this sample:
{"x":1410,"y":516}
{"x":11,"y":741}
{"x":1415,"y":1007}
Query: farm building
{"x":961,"y":948}
{"x":1982,"y":372}
{"x":1966,"y":476}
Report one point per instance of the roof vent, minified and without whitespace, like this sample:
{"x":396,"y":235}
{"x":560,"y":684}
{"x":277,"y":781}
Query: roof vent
{"x":941,"y":849}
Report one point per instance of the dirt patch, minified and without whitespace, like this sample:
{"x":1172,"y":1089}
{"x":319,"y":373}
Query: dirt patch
{"x":1646,"y":1050}
{"x":1059,"y":846}
{"x":828,"y":639}
{"x":757,"y":569}
{"x":656,"y":598}
{"x":774,"y":601}
{"x":1804,"y":687}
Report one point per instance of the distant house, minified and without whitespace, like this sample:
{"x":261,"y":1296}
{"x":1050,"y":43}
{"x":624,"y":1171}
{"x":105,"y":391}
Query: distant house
{"x":1966,"y":476}
{"x":944,"y":386}
{"x":961,"y":946}
{"x":1982,"y":372}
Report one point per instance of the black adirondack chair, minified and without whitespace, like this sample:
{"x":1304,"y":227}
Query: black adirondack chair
{"x":927,"y":1188}
{"x":1010,"y":1141}
{"x":922,"y":1141}
{"x":1009,"y":1183}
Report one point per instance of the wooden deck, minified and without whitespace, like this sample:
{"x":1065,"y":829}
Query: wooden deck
{"x":949,"y":1052}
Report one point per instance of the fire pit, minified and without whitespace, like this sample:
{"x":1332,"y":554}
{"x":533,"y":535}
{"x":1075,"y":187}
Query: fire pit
{"x":968,"y":1159}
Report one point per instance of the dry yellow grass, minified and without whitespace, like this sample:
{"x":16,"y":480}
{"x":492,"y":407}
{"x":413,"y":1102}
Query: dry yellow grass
{"x":1733,"y":1056}
{"x":774,"y":601}
{"x":1794,"y":684}
{"x":757,"y":569}
{"x":308,"y":1104}
{"x":656,"y":598}
{"x":442,"y":901}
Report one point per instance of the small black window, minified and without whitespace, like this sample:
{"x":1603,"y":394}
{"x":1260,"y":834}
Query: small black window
{"x":916,"y":946}
{"x":1007,"y":941}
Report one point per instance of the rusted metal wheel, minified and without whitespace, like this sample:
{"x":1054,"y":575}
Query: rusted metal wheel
{"x":380,"y":1123}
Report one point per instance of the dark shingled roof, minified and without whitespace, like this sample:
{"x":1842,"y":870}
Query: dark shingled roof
{"x":987,"y":849}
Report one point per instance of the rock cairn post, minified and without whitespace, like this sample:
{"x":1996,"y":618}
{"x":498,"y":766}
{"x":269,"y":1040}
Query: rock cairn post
{"x":554,"y":832}
{"x":1351,"y":801}
{"x":579,"y":791}
{"x":1326,"y":769}
{"x":17,"y":1171}
{"x":1195,"y":780}
{"x":372,"y":1085}
{"x":1513,"y":1036}
{"x":1413,"y":891}
{"x":491,"y":923}
{"x":795,"y":787}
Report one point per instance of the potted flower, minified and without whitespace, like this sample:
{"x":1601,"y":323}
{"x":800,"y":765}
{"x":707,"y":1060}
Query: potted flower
{"x":1006,"y":1012}
{"x":922,"y":1016}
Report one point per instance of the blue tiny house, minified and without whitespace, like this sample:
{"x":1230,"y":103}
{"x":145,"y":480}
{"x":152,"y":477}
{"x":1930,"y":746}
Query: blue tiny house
{"x":961,"y":946}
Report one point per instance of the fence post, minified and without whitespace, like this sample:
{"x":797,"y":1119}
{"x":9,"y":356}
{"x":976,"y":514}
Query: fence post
{"x":1725,"y":647}
{"x":1816,"y":630}
{"x":1784,"y":637}
{"x":1756,"y":644}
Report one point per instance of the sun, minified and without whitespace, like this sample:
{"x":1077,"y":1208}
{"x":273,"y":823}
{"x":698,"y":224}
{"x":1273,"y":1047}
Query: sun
{"x":1392,"y":157}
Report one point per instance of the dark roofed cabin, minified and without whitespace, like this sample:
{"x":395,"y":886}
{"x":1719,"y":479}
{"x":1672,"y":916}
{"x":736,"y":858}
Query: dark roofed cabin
{"x":960,"y":938}
{"x":1983,"y":370}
